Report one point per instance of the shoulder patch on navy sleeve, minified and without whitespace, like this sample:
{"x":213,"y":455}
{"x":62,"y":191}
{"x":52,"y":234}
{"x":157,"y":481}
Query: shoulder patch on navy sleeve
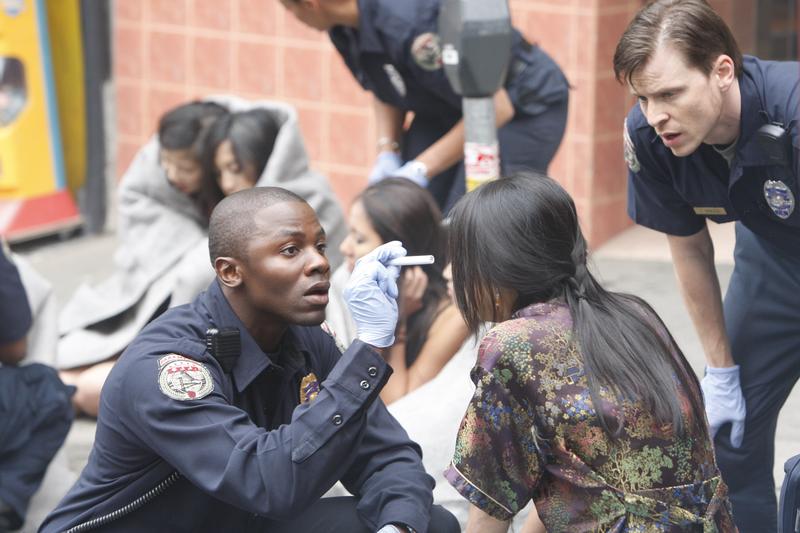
{"x":630,"y":149}
{"x":427,"y":51}
{"x":181,"y":378}
{"x":329,"y":330}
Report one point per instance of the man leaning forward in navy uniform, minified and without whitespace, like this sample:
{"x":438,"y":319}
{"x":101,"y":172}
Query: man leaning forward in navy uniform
{"x":237,"y":412}
{"x":392,"y":48}
{"x":715,"y":137}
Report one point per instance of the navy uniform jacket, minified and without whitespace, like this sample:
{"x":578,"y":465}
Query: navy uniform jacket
{"x":15,"y":311}
{"x":675,"y":195}
{"x":395,"y":55}
{"x":243,"y":443}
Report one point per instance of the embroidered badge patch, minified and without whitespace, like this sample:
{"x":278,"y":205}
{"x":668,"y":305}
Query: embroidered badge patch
{"x":427,"y":51}
{"x":329,"y":330}
{"x":779,"y":198}
{"x":183,"y":379}
{"x":309,"y":388}
{"x":630,"y":149}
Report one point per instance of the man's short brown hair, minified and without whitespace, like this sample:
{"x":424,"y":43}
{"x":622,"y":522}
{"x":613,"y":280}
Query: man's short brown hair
{"x":691,"y":26}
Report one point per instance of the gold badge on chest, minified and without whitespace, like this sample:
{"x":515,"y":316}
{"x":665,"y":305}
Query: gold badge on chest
{"x":309,"y":388}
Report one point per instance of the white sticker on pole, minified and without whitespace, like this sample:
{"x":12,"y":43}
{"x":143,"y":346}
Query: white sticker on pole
{"x":481,"y":164}
{"x":449,"y":55}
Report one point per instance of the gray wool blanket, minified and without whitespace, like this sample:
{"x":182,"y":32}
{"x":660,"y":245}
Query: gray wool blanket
{"x":162,"y":255}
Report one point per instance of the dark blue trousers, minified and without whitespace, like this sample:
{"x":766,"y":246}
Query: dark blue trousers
{"x":35,"y":417}
{"x":762,"y":317}
{"x":527,"y":142}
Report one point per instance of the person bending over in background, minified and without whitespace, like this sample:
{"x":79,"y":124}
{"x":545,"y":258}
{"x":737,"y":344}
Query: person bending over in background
{"x":393,"y":49}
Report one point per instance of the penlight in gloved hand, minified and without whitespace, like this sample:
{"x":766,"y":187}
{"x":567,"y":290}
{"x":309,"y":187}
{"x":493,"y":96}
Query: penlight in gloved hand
{"x":371,"y":294}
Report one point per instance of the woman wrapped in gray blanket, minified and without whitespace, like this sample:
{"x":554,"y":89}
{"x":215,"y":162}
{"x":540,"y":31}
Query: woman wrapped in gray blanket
{"x":163,"y":203}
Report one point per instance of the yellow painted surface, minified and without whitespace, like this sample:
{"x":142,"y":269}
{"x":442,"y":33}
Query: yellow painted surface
{"x":26,"y":158}
{"x":64,"y":23}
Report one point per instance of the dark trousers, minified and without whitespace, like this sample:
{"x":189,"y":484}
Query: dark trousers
{"x":35,"y":417}
{"x":338,"y":515}
{"x":762,"y":317}
{"x":526,"y":143}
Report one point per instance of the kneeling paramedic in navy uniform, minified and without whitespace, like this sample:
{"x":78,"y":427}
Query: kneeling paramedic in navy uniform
{"x":715,"y":137}
{"x":393,"y":49}
{"x":237,"y":412}
{"x":35,"y":406}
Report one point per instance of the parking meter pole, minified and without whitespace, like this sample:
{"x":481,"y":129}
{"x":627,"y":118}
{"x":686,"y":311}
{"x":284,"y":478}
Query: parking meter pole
{"x":481,"y":152}
{"x":476,"y":40}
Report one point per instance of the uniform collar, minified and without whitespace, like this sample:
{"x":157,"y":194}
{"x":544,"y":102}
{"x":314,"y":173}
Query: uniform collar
{"x":366,"y":36}
{"x":752,"y":117}
{"x":368,"y":40}
{"x":252,"y":361}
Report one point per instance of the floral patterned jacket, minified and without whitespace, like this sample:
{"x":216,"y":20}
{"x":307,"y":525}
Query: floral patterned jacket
{"x":531,"y":432}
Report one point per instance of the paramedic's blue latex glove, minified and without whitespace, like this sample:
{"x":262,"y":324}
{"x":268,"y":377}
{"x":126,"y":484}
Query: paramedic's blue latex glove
{"x":386,"y":165}
{"x":724,"y":402}
{"x":414,"y":171}
{"x":371,"y":294}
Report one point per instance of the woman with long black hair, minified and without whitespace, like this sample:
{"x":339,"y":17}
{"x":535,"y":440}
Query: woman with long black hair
{"x":429,"y":329}
{"x":583,"y":403}
{"x":259,"y":144}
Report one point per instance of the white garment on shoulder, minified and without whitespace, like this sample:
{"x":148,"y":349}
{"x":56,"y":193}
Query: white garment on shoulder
{"x":432,"y":415}
{"x":337,"y":315}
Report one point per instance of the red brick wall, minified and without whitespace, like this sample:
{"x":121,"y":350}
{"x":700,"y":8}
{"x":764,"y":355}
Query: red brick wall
{"x":166,"y":52}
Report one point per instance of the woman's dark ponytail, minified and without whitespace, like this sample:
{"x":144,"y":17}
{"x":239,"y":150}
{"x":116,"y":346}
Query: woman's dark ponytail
{"x":626,"y":350}
{"x":522,"y":233}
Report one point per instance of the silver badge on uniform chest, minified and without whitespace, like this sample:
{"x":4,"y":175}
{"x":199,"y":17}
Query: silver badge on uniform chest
{"x":779,"y":198}
{"x":396,"y":79}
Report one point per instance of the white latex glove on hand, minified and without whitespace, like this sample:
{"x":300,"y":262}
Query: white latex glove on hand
{"x":414,"y":171}
{"x":722,"y":392}
{"x":371,"y":294}
{"x":386,"y":165}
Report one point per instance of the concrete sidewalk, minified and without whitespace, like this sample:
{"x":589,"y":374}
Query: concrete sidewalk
{"x":637,"y":261}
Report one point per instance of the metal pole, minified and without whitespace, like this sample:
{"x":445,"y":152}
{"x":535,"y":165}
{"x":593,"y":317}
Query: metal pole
{"x":481,"y":151}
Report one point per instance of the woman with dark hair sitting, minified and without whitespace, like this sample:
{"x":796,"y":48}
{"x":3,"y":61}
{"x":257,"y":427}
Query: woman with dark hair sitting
{"x":429,"y":329}
{"x":238,"y":148}
{"x":583,"y":402}
{"x":261,"y":145}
